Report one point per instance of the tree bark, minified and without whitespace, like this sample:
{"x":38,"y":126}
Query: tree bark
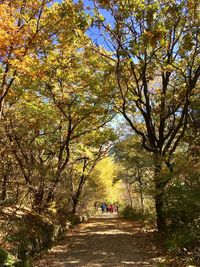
{"x":38,"y":200}
{"x":4,"y":188}
{"x":161,"y":221}
{"x":159,"y":195}
{"x":75,"y":202}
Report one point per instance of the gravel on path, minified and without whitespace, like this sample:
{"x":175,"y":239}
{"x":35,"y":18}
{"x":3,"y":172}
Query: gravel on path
{"x":105,"y":241}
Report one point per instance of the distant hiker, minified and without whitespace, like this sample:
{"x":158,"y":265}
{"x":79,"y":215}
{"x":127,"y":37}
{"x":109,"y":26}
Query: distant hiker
{"x":111,"y":208}
{"x":102,"y":208}
{"x":105,"y":207}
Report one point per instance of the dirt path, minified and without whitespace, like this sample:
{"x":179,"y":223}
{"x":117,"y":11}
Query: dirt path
{"x":104,"y":241}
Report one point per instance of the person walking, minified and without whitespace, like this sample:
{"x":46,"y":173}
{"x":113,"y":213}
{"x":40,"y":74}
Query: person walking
{"x":102,"y":208}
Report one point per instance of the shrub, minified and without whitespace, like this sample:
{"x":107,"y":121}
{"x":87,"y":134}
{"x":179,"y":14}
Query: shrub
{"x":3,"y":256}
{"x":32,"y":234}
{"x":74,"y":219}
{"x":132,"y":214}
{"x":6,"y":259}
{"x":182,"y":207}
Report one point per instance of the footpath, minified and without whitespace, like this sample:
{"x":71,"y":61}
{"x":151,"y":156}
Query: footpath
{"x":105,"y":240}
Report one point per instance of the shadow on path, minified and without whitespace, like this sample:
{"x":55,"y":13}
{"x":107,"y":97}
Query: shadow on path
{"x":104,"y":241}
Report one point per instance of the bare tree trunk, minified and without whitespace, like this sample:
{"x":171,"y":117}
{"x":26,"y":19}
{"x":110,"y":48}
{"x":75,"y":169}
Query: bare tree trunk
{"x":1,"y":105}
{"x":159,"y":196}
{"x":75,"y":203}
{"x":161,"y":222}
{"x":4,"y":188}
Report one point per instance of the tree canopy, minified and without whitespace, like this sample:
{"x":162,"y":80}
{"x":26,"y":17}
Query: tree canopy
{"x":98,"y":103}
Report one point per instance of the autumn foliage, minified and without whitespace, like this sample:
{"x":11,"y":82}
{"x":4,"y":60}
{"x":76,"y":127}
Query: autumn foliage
{"x":98,"y":97}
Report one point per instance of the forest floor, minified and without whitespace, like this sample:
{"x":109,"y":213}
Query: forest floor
{"x":105,"y":240}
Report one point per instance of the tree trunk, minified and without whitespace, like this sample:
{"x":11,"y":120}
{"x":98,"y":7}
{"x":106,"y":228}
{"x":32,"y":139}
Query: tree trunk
{"x":77,"y":194}
{"x":161,"y":222}
{"x":38,"y":200}
{"x":1,"y":106}
{"x":75,"y":203}
{"x":159,"y":196}
{"x":4,"y":188}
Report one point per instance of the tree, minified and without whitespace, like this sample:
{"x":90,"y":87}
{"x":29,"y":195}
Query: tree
{"x":86,"y":159}
{"x":74,"y":93}
{"x":112,"y":191}
{"x":135,"y":168}
{"x":27,"y":28}
{"x":155,"y":46}
{"x":55,"y":111}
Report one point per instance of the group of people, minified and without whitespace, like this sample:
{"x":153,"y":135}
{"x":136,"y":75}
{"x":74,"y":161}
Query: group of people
{"x":109,"y":208}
